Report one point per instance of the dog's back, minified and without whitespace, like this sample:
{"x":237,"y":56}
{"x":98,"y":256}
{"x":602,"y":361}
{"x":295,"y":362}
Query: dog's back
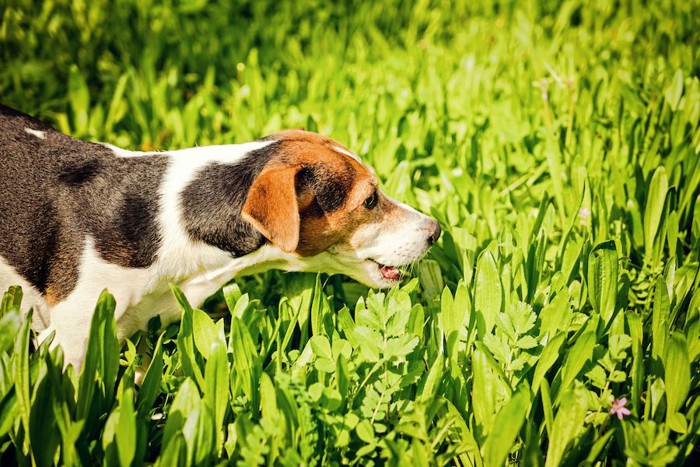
{"x":57,"y":190}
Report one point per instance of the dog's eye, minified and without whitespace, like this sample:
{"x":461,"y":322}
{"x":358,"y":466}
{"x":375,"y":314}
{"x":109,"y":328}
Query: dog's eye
{"x":371,"y":201}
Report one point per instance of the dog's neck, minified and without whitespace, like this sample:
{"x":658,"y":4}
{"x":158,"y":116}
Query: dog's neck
{"x":201,"y":196}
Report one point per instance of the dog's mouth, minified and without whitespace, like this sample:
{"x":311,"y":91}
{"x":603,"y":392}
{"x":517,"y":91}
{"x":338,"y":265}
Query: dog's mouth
{"x":389,"y":273}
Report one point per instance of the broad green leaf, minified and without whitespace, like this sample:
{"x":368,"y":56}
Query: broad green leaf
{"x":676,"y":373}
{"x":185,"y":339}
{"x":20,"y":374}
{"x":692,"y":327}
{"x":300,"y":291}
{"x":342,"y":376}
{"x":321,"y":347}
{"x":150,"y":387}
{"x":174,"y":453}
{"x":661,"y":309}
{"x":431,"y":278}
{"x":599,"y":448}
{"x":99,"y":373}
{"x":319,"y":309}
{"x":44,"y":435}
{"x":556,"y":316}
{"x":416,"y":320}
{"x":465,"y":436}
{"x":429,"y":386}
{"x":117,"y":107}
{"x":199,"y":435}
{"x":216,"y":393}
{"x":242,"y":307}
{"x":453,"y":315}
{"x":365,"y":432}
{"x":506,"y":426}
{"x":568,"y":423}
{"x":246,"y":362}
{"x":672,"y":228}
{"x":654,"y":207}
{"x":678,"y":423}
{"x":205,"y":332}
{"x":268,"y":398}
{"x":11,"y":300}
{"x":550,"y":354}
{"x":570,"y":259}
{"x":602,"y":279}
{"x":547,"y":407}
{"x":10,"y":325}
{"x":119,"y":439}
{"x":367,"y":342}
{"x":637,"y":371}
{"x":8,"y":409}
{"x":348,"y":326}
{"x":446,"y":320}
{"x":232,"y":294}
{"x":674,"y":91}
{"x":70,"y":432}
{"x":575,"y":358}
{"x":487,"y":293}
{"x":186,"y":400}
{"x":484,"y":393}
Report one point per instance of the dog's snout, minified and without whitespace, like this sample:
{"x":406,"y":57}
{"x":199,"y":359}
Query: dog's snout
{"x":435,"y":232}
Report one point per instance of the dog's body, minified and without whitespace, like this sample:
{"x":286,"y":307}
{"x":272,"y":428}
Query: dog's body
{"x":78,"y":217}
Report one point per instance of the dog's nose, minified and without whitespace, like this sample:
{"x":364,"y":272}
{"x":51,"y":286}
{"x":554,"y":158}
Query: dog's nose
{"x":435,"y":233}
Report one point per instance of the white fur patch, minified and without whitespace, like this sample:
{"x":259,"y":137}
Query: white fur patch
{"x":400,"y":241}
{"x":37,"y":133}
{"x":178,"y":255}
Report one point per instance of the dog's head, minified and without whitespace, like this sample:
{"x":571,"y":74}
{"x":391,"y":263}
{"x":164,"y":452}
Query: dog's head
{"x":317,"y":199}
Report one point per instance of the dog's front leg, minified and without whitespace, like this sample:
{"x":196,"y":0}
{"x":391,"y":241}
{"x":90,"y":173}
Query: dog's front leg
{"x":71,"y":320}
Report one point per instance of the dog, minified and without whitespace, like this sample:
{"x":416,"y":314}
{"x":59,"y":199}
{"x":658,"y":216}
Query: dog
{"x":79,"y":217}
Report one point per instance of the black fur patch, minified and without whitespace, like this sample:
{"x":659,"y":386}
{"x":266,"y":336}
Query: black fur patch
{"x":58,"y":190}
{"x":81,"y":173}
{"x":331,"y":188}
{"x":126,"y":231}
{"x":213,"y":201}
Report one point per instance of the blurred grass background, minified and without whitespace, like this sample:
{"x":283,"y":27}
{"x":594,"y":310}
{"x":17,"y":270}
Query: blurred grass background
{"x":177,"y":73}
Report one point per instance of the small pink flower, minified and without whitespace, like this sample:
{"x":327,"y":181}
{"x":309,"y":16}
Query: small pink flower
{"x":618,"y":408}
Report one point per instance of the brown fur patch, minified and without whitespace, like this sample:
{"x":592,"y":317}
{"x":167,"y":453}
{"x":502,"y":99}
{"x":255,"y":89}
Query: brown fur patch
{"x":321,"y":230}
{"x":53,"y":297}
{"x":272,"y":208}
{"x":330,"y":188}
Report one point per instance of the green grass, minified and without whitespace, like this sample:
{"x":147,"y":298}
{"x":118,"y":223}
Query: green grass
{"x":558,"y":146}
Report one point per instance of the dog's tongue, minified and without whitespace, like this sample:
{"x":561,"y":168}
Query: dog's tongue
{"x":390,"y":273}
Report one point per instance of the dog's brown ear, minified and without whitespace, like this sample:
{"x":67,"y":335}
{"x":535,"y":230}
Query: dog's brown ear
{"x":272,"y":206}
